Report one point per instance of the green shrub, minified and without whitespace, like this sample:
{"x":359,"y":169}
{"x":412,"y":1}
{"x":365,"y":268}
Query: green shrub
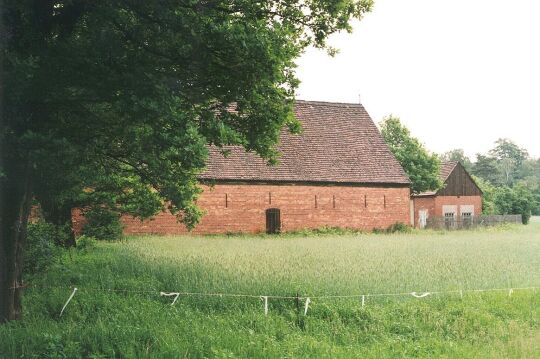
{"x":399,"y":227}
{"x":42,"y":246}
{"x":325,"y":230}
{"x":86,"y":243}
{"x":102,"y":224}
{"x":516,"y":200}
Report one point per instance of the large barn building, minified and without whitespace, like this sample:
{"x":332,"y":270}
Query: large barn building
{"x":338,"y":172}
{"x":459,"y":199}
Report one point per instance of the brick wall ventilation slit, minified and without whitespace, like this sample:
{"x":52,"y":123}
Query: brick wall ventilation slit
{"x":334,"y":201}
{"x":226,"y":200}
{"x":269,"y":197}
{"x":384,"y":199}
{"x":365,"y":200}
{"x":316,"y":201}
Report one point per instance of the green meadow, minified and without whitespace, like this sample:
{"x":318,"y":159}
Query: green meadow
{"x":118,"y":311}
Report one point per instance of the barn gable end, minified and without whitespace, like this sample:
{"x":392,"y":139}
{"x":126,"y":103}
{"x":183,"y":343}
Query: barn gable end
{"x":457,"y":181}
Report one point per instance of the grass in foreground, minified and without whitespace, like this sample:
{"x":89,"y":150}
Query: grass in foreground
{"x":142,"y":324}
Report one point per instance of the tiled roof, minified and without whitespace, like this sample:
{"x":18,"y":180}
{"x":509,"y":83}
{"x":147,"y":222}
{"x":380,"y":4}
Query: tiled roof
{"x":446,"y":169}
{"x":339,"y":143}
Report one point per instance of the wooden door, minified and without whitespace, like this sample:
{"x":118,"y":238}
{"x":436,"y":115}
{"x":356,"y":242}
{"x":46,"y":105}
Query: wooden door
{"x":422,"y":218}
{"x":273,"y":220}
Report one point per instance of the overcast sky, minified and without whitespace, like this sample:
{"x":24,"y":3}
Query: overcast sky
{"x":459,"y":73}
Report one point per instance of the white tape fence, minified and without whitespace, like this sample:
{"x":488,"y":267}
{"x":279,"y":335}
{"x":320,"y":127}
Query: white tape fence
{"x":266,"y":298}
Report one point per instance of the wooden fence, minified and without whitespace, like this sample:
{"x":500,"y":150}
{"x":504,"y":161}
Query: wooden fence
{"x":451,"y":223}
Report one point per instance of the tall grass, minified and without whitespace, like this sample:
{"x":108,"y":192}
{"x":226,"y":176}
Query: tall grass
{"x":140,"y":323}
{"x":342,"y":265}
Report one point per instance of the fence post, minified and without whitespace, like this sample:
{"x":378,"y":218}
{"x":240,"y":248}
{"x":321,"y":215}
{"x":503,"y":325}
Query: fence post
{"x":297,"y":308}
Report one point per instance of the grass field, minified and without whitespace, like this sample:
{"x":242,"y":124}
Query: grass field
{"x":141,"y":323}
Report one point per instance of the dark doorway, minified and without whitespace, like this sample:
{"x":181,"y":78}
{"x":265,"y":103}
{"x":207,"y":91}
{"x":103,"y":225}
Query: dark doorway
{"x":273,"y":221}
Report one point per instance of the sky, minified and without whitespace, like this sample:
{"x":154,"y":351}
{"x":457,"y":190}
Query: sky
{"x":459,"y":74}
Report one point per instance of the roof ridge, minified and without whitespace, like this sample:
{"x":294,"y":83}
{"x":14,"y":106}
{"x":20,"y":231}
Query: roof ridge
{"x":330,"y":103}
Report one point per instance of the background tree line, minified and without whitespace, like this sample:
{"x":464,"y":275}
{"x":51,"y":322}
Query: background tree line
{"x":507,"y":175}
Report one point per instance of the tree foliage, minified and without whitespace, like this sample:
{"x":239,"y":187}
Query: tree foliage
{"x":458,"y":155}
{"x":529,"y":177}
{"x":486,"y":167}
{"x":488,"y":193}
{"x":421,"y":166}
{"x":129,"y":89}
{"x":517,"y":200}
{"x":509,"y":179}
{"x":103,"y":224}
{"x":42,"y":249}
{"x":113,"y":103}
{"x":502,"y":164}
{"x":505,"y":148}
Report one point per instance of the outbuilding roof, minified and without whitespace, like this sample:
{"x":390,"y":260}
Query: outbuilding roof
{"x":339,"y":143}
{"x":446,"y":169}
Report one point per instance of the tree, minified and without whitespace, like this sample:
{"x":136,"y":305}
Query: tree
{"x":505,"y":148}
{"x":503,"y":165}
{"x":459,"y":156}
{"x":514,"y":179}
{"x":536,"y":198}
{"x":422,"y":167}
{"x":524,"y":202}
{"x":488,"y":193}
{"x":121,"y":98}
{"x":517,"y":200}
{"x":529,"y":175}
{"x":510,"y":158}
{"x":486,"y":167}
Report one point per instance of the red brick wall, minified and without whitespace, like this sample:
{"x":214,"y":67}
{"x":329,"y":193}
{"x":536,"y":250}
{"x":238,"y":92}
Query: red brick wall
{"x":434,"y":205}
{"x":355,"y":207}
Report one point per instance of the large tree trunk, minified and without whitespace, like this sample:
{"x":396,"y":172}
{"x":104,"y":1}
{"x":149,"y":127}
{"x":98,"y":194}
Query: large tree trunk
{"x":15,"y":205}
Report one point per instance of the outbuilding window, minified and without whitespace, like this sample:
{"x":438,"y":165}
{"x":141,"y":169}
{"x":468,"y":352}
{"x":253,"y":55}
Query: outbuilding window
{"x":466,"y":218}
{"x":449,"y":220}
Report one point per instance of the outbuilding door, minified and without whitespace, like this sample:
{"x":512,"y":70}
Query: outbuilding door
{"x":273,"y":220}
{"x":422,"y":218}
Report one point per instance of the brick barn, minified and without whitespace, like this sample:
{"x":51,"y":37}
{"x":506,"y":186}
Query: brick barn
{"x":459,"y":198}
{"x":337,"y":172}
